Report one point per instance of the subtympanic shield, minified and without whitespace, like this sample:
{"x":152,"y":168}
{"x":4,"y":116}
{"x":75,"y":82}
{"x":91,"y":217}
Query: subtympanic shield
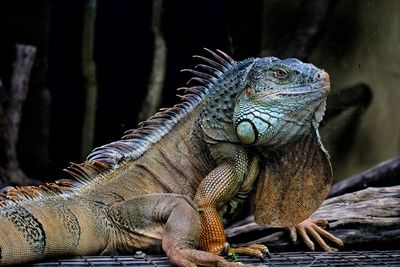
{"x":293,"y":183}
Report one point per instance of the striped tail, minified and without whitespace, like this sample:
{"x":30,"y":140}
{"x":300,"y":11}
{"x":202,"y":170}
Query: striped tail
{"x":52,"y":225}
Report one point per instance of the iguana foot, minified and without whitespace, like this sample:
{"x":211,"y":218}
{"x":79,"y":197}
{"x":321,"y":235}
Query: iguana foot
{"x":311,"y":227}
{"x":192,"y":257}
{"x":253,"y":250}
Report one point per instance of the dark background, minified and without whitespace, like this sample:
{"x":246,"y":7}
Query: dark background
{"x":331,"y":34}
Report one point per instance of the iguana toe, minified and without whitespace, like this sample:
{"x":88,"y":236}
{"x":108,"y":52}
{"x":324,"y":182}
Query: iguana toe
{"x":193,"y":257}
{"x":255,"y":250}
{"x":310,"y":228}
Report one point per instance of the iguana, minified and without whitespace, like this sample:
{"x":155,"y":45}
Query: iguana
{"x":186,"y":171}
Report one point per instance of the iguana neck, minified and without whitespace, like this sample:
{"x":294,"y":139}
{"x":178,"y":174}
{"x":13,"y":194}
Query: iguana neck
{"x":215,"y":120}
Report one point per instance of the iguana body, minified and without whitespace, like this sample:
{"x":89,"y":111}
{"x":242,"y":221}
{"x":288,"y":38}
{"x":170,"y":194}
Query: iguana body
{"x":175,"y":180}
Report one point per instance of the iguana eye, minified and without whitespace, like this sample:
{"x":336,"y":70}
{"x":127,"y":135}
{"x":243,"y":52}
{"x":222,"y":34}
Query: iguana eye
{"x":280,"y":73}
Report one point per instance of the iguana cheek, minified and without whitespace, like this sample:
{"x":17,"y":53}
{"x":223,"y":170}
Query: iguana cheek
{"x":246,"y":132}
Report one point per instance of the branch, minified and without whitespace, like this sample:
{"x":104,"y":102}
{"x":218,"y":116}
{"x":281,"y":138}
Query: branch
{"x":386,"y":173}
{"x":157,"y":76}
{"x":10,"y":111}
{"x":358,"y":96}
{"x":89,"y":74}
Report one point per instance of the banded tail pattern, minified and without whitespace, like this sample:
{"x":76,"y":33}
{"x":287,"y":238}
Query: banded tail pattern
{"x":38,"y":222}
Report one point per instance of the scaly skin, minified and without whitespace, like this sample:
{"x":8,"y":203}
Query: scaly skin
{"x":175,"y":181}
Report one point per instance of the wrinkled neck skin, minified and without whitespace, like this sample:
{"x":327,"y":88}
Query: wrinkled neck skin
{"x":294,"y":130}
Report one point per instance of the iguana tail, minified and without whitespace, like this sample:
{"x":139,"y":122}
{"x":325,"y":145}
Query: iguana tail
{"x":36,"y":222}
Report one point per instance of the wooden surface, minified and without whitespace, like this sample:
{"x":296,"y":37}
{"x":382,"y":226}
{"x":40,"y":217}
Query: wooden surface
{"x":366,"y":219}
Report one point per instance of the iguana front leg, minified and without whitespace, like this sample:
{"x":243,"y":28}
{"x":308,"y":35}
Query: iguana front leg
{"x":215,"y":190}
{"x":218,"y":188}
{"x":173,"y":218}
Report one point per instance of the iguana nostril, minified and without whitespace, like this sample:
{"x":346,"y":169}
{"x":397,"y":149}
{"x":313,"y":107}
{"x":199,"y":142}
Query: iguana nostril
{"x":323,"y":77}
{"x":318,"y":76}
{"x":246,"y":132}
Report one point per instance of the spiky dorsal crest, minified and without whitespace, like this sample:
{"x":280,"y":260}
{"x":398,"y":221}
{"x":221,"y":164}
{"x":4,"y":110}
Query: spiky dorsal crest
{"x":135,"y":142}
{"x":85,"y":172}
{"x":26,"y":193}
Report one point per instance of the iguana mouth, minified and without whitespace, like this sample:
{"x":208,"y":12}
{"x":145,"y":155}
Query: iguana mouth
{"x":313,"y":89}
{"x":300,"y":92}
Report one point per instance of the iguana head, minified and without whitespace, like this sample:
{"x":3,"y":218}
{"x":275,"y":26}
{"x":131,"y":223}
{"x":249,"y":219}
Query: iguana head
{"x":281,"y":101}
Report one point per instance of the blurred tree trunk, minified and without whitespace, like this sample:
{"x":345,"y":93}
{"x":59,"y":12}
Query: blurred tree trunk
{"x":89,"y":75}
{"x":157,"y":76}
{"x":28,"y":22}
{"x":11,"y":104}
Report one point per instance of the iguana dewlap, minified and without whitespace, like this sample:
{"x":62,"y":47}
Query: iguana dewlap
{"x":176,"y":180}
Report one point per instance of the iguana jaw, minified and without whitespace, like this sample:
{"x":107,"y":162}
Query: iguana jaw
{"x":293,"y":92}
{"x":320,"y":86}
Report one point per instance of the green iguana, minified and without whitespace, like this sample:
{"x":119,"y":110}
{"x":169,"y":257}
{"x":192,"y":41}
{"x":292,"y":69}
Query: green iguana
{"x":185,"y":172}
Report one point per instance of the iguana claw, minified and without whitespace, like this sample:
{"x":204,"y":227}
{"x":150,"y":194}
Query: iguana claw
{"x":254,"y":250}
{"x":192,"y":258}
{"x":311,"y":227}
